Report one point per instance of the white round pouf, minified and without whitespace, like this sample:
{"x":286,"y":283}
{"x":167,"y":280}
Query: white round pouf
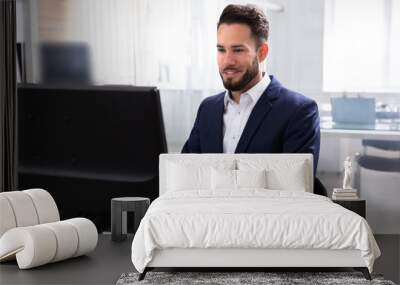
{"x":45,"y":205}
{"x":23,"y":208}
{"x":33,"y":246}
{"x":87,"y":233}
{"x":7,"y":218}
{"x":67,"y":240}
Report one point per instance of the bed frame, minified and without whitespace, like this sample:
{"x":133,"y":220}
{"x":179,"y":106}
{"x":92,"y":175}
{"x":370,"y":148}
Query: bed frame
{"x":245,"y":259}
{"x":248,"y":259}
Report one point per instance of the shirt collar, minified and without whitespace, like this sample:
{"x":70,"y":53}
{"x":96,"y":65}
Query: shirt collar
{"x":255,"y":92}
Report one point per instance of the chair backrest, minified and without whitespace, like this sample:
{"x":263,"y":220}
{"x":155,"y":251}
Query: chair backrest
{"x":382,"y":144}
{"x":286,"y":167}
{"x":380,"y":163}
{"x":26,"y":208}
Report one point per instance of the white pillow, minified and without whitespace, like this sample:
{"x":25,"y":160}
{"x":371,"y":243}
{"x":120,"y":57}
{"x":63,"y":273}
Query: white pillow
{"x":193,"y":174}
{"x":251,"y":178}
{"x":225,"y":179}
{"x":291,"y":179}
{"x":288,"y":174}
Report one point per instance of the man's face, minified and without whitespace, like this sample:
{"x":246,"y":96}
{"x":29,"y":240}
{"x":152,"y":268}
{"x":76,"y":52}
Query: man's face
{"x":237,"y":57}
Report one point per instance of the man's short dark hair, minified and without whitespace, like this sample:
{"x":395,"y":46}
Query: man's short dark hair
{"x":250,"y":15}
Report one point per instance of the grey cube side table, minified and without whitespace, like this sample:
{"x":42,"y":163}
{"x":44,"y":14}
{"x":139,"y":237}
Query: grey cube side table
{"x":119,"y":208}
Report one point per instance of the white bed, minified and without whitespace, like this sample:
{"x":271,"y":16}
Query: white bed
{"x":215,"y":211}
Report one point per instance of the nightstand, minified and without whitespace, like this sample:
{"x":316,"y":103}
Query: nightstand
{"x":357,"y":206}
{"x":119,"y":208}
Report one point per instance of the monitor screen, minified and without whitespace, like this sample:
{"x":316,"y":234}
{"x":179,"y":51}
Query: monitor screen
{"x":356,"y":110}
{"x":96,"y":143}
{"x":67,"y":63}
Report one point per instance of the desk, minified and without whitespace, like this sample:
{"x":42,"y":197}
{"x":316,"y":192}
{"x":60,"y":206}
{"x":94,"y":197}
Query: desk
{"x":382,"y":129}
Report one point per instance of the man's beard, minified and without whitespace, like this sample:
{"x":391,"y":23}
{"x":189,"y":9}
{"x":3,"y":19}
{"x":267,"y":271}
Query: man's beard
{"x":244,"y":81}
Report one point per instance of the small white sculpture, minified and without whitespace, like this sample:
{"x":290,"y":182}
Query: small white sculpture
{"x":347,"y":173}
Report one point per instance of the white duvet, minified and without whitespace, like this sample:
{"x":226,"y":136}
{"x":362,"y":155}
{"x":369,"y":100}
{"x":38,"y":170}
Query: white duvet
{"x":250,"y":219}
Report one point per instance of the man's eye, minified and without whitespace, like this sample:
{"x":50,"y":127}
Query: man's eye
{"x":221,"y":50}
{"x":238,"y":50}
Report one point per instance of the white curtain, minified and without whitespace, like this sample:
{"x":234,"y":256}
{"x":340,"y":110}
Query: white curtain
{"x":168,"y":44}
{"x":176,"y":51}
{"x":361,"y":44}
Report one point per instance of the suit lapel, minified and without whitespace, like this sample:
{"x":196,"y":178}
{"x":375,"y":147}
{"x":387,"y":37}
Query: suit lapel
{"x":217,"y":119}
{"x":257,"y":116}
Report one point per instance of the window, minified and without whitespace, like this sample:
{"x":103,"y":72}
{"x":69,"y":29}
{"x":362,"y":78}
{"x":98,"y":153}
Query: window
{"x":361,"y":44}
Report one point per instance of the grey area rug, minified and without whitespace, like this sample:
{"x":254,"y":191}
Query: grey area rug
{"x":269,"y":278}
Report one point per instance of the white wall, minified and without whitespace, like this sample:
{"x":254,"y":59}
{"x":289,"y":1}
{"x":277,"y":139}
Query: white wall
{"x":296,"y":45}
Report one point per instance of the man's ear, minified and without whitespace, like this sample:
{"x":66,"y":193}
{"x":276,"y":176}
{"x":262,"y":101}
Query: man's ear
{"x":262,"y":52}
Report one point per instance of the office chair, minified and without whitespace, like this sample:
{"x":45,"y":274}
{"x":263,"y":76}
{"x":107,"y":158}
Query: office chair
{"x":378,"y":179}
{"x":319,"y":188}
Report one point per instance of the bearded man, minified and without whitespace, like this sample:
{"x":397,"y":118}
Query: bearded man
{"x":255,"y":114}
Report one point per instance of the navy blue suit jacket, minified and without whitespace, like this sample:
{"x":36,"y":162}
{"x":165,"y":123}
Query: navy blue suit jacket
{"x":282,"y":121}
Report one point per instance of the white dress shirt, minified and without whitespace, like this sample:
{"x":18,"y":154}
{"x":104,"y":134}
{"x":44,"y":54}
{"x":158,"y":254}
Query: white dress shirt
{"x":236,"y":115}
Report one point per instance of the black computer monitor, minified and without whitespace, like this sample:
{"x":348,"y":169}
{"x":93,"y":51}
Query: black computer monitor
{"x":86,"y":145}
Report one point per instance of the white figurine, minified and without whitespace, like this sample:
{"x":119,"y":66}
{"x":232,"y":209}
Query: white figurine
{"x":347,"y":173}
